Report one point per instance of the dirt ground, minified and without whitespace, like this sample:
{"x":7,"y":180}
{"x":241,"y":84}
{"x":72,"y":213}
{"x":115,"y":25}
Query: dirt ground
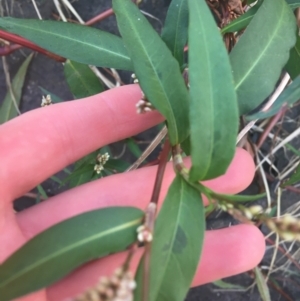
{"x":48,"y":74}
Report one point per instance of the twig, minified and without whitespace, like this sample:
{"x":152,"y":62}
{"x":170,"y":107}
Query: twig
{"x":36,"y":9}
{"x":151,"y":212}
{"x":281,"y":144}
{"x":263,"y":175}
{"x":9,"y":86}
{"x":277,"y":236}
{"x":73,"y":11}
{"x":100,"y":17}
{"x":266,"y":107}
{"x":60,"y":12}
{"x":270,"y":126}
{"x":160,"y":136}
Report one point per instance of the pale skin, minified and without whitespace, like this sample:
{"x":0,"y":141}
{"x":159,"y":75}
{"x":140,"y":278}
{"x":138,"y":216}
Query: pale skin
{"x":40,"y":143}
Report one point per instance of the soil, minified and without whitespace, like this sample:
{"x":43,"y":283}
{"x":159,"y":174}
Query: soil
{"x":48,"y":74}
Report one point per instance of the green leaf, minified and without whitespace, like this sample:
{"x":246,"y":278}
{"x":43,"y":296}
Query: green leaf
{"x":255,"y":63}
{"x":262,"y":285}
{"x":242,"y":21}
{"x":133,"y":147}
{"x":177,"y":244}
{"x":186,"y":146}
{"x":7,"y":109}
{"x":82,"y":80}
{"x":79,"y":43}
{"x":42,"y":191}
{"x":56,"y":252}
{"x":116,"y":165}
{"x":293,"y":3}
{"x":226,"y":197}
{"x":80,"y":175}
{"x":293,"y":64}
{"x":295,"y":178}
{"x":175,"y":30}
{"x":237,"y":197}
{"x":225,"y":285}
{"x":157,"y":70}
{"x":54,"y":98}
{"x":213,"y":106}
{"x":289,"y":96}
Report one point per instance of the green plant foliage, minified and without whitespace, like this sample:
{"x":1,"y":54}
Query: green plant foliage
{"x":175,"y":30}
{"x":42,"y":191}
{"x":213,"y":106}
{"x":7,"y":109}
{"x":83,"y":171}
{"x":82,"y":80}
{"x":54,"y":98}
{"x":237,"y":197}
{"x":293,"y":64}
{"x":157,"y":70}
{"x":293,"y":3}
{"x":116,"y":165}
{"x":295,"y":178}
{"x":133,"y":147}
{"x":57,"y":251}
{"x":186,"y":146}
{"x":262,"y":285}
{"x":255,"y":63}
{"x":177,"y":244}
{"x":289,"y":96}
{"x":78,"y":43}
{"x":229,"y":286}
{"x":242,"y":21}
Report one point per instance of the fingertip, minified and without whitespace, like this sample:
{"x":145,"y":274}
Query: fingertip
{"x":228,"y":252}
{"x":238,"y":176}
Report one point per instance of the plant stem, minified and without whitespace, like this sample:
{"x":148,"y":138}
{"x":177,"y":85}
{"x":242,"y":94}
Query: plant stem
{"x":160,"y":171}
{"x":23,"y":42}
{"x":100,"y":17}
{"x":150,"y":215}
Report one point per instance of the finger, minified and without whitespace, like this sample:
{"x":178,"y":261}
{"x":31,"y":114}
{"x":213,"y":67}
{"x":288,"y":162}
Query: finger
{"x":226,"y":252}
{"x":44,"y":141}
{"x":129,"y":189}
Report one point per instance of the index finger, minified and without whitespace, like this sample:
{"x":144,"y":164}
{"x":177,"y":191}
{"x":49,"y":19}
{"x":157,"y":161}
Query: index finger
{"x":41,"y":142}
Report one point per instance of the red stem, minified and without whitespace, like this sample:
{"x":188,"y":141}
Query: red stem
{"x":100,"y":17}
{"x":23,"y":42}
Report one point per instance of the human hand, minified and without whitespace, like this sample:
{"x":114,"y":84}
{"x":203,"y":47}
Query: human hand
{"x":38,"y":144}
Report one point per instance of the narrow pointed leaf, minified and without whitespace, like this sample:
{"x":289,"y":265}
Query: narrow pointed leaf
{"x":82,"y":80}
{"x":177,"y":244}
{"x":262,"y":285}
{"x":255,"y":63}
{"x":228,"y":286}
{"x":242,"y":21}
{"x":289,"y":96}
{"x":156,"y":68}
{"x":295,"y":178}
{"x":175,"y":30}
{"x":213,"y":106}
{"x":293,"y":64}
{"x":79,"y":43}
{"x":54,"y":98}
{"x":238,"y":197}
{"x":56,"y":252}
{"x":293,"y":3}
{"x":7,"y":109}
